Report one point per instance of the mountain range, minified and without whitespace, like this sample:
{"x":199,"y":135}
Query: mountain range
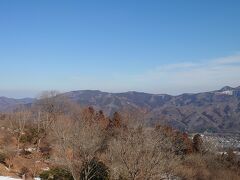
{"x":214,"y":111}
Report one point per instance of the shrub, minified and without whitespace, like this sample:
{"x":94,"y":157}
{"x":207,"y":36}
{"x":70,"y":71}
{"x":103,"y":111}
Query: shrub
{"x":96,"y":169}
{"x":45,"y":150}
{"x":23,"y":171}
{"x":198,"y":143}
{"x":2,"y":158}
{"x":206,"y":166}
{"x":31,"y":135}
{"x":56,"y":173}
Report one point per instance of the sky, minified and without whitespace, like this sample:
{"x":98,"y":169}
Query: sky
{"x":154,"y":46}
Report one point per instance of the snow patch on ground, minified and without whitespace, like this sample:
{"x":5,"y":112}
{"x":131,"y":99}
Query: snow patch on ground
{"x":10,"y":178}
{"x":7,"y":178}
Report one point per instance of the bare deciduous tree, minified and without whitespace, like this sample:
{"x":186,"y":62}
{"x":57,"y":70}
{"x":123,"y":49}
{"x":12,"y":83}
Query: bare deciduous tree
{"x":140,"y":153}
{"x":79,"y":142}
{"x":46,"y":111}
{"x":18,"y":122}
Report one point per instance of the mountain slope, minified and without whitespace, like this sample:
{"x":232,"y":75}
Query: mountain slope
{"x":8,"y":104}
{"x":215,"y":111}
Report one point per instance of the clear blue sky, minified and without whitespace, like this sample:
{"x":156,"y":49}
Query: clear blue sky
{"x":161,"y":46}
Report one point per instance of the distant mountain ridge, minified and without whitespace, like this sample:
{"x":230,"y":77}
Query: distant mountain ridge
{"x":214,"y":111}
{"x":8,"y":104}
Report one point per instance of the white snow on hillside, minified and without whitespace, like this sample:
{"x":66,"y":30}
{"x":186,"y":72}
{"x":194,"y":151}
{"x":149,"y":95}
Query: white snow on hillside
{"x":228,"y":92}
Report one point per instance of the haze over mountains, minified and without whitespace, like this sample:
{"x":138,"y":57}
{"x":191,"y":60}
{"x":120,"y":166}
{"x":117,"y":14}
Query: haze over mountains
{"x":9,"y":104}
{"x":215,"y":111}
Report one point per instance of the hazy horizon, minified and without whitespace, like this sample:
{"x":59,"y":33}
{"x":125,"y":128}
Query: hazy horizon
{"x":37,"y":94}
